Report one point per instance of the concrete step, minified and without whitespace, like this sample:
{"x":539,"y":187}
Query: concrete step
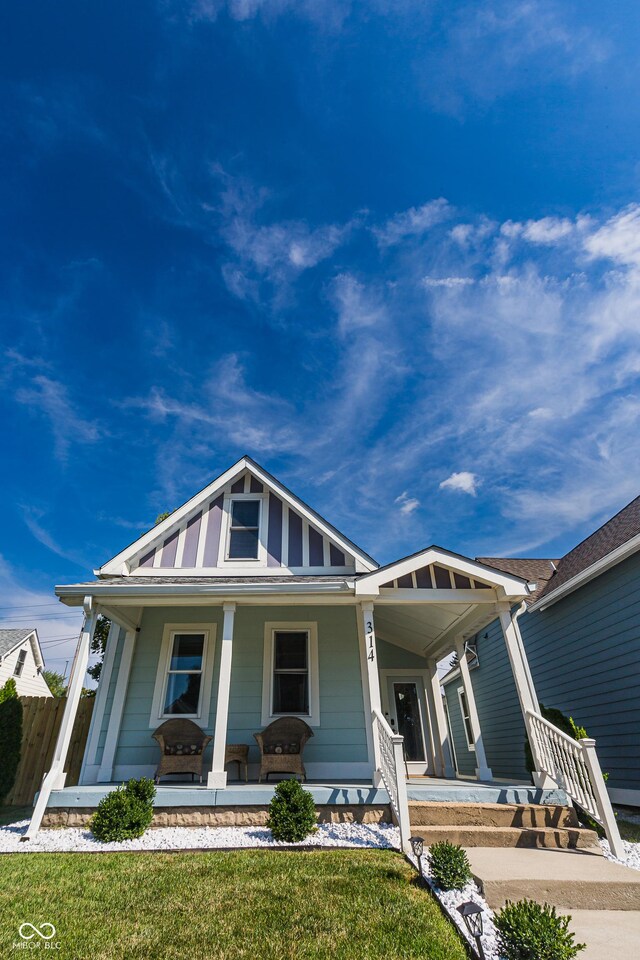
{"x":606,"y":933}
{"x":482,"y":836}
{"x":492,"y":815}
{"x":567,"y":879}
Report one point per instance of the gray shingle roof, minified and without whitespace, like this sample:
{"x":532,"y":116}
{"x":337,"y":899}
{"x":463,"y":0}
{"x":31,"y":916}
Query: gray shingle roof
{"x":607,"y":538}
{"x":538,"y":571}
{"x":10,"y":638}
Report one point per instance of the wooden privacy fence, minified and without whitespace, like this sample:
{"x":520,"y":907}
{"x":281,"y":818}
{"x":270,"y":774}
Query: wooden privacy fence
{"x":41,"y":719}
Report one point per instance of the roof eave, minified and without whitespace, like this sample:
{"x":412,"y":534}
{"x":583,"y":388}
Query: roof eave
{"x":589,"y":573}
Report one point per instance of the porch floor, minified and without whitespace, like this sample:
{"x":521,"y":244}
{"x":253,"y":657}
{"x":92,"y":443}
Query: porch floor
{"x":337,"y":792}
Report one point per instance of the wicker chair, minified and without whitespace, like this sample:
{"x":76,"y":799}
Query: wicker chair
{"x":281,"y":747}
{"x":182,"y":746}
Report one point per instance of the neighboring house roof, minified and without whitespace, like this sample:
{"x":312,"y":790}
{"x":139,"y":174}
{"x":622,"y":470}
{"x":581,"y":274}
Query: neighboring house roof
{"x":615,"y":533}
{"x":10,"y":639}
{"x":533,"y":570}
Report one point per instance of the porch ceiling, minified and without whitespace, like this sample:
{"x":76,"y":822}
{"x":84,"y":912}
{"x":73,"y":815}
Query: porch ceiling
{"x":429,"y":629}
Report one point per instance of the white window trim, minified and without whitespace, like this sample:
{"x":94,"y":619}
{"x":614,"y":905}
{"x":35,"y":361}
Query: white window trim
{"x":225,"y":534}
{"x":465,"y":716}
{"x":20,"y":662}
{"x":157,"y":704}
{"x":271,"y":627}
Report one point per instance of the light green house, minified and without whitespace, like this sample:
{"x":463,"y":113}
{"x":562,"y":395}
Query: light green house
{"x":245,"y":605}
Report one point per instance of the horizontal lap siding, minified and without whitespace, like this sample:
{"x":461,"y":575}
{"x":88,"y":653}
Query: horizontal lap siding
{"x":341,"y":736}
{"x":584,"y":653}
{"x":391,"y":657}
{"x":499,"y":712}
{"x":465,"y":758}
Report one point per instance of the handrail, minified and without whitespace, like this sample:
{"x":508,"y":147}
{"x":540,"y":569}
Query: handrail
{"x":575,"y":767}
{"x":392,"y":772}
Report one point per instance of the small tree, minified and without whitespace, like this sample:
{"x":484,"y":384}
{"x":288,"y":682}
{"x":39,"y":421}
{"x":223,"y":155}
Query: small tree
{"x":56,"y":683}
{"x":10,"y":736}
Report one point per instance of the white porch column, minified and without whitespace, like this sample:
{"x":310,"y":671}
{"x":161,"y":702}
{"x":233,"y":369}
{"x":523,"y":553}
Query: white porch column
{"x":483,"y":772}
{"x":54,"y":779}
{"x":441,"y":730}
{"x":524,"y":684}
{"x":105,"y":773}
{"x":217,"y":778}
{"x":371,"y":680}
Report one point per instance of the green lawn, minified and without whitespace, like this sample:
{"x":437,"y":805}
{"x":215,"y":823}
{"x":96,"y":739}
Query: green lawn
{"x":348,"y":905}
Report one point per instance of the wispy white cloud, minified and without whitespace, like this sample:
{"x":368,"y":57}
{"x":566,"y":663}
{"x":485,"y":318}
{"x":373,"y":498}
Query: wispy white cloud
{"x":407,"y":504}
{"x":50,"y":398}
{"x":619,"y":238}
{"x":463,"y":481}
{"x":449,"y":282}
{"x":412,"y":223}
{"x":357,"y":307}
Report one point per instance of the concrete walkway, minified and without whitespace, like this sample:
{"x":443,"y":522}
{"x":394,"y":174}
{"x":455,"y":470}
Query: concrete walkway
{"x":602,"y":897}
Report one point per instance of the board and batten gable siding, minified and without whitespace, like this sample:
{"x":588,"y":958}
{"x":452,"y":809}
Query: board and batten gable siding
{"x":290,"y":542}
{"x":30,"y":683}
{"x":341,"y":736}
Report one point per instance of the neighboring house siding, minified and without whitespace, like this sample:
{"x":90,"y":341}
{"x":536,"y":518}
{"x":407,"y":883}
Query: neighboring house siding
{"x":584,"y":654}
{"x":465,"y":758}
{"x":30,"y":683}
{"x":341,"y":736}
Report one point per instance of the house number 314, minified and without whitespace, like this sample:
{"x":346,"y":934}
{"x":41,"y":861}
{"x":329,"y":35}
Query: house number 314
{"x":371,"y":654}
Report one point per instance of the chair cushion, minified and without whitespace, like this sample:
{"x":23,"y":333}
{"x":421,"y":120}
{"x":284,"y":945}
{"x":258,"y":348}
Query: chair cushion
{"x":182,"y":749}
{"x":278,"y":748}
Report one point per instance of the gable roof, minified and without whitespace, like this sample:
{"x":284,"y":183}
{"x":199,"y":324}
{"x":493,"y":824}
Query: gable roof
{"x":188,"y":512}
{"x":434,"y":556}
{"x":10,"y":639}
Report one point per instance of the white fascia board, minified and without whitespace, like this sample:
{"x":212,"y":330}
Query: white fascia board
{"x":73,"y":594}
{"x":266,"y":573}
{"x":448,"y":677}
{"x":370,"y":583}
{"x":590,"y":573}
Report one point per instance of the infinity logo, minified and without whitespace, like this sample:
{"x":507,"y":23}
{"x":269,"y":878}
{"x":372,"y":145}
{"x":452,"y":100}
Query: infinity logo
{"x":37,"y":930}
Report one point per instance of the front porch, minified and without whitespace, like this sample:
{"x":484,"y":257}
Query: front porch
{"x":187,"y":804}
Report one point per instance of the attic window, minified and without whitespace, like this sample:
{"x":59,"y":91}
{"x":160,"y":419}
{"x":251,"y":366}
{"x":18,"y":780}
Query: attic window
{"x":22,"y":656}
{"x":244,"y":530}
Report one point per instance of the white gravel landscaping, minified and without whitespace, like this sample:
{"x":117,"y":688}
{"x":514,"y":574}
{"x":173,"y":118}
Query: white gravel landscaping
{"x":632,"y":850}
{"x":68,"y":839}
{"x":451,"y":899}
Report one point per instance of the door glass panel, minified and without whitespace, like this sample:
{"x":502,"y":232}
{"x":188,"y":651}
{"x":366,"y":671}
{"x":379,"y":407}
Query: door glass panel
{"x":409,"y":720}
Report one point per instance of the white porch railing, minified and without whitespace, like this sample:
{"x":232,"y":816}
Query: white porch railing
{"x":392,"y":772}
{"x":575,"y":767}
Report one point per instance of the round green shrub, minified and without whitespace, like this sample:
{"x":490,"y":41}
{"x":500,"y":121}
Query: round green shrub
{"x":529,"y":931}
{"x":125,"y":813}
{"x":292,"y":812}
{"x":10,"y":736}
{"x":449,"y":864}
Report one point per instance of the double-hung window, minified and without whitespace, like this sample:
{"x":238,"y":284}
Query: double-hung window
{"x":466,"y":719}
{"x":290,"y":672}
{"x":244,"y":530}
{"x":20,"y":662}
{"x":291,"y":683}
{"x":183,"y":689}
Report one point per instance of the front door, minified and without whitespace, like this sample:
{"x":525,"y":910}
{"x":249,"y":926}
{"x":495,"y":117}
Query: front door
{"x":406,"y":712}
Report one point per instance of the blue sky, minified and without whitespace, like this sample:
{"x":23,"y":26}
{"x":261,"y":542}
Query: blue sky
{"x":389,"y":249}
